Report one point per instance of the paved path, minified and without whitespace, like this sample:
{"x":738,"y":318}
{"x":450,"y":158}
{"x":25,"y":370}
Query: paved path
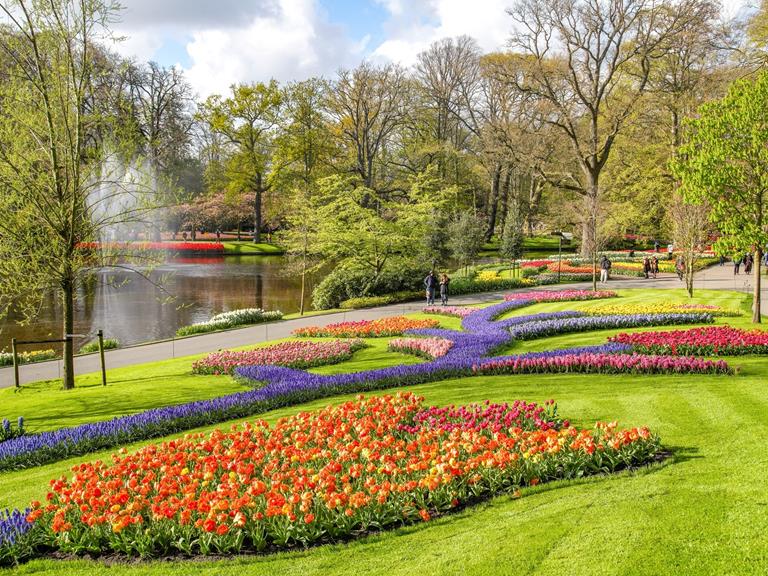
{"x":716,"y":277}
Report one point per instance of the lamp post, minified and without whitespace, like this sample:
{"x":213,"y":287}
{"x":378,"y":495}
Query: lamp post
{"x":561,"y":236}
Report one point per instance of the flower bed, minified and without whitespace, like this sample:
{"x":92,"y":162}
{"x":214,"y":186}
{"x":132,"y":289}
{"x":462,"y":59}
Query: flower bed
{"x":383,"y":327}
{"x":493,"y":417}
{"x":315,"y":477}
{"x":231,"y":319}
{"x":454,"y":311}
{"x":708,"y":341}
{"x":558,"y":326}
{"x":567,"y":268}
{"x":603,"y":364}
{"x":560,"y":295}
{"x":659,"y":308}
{"x":277,"y":386}
{"x":292,"y":354}
{"x":6,"y":358}
{"x":429,"y":348}
{"x":188,"y":247}
{"x":15,"y":541}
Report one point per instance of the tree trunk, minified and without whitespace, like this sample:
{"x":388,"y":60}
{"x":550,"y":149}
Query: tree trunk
{"x":494,"y":203}
{"x":689,"y":263}
{"x":756,"y":296}
{"x":257,"y":210}
{"x":68,"y":327}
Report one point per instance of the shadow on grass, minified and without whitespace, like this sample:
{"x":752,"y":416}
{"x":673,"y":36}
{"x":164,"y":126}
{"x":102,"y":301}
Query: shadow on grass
{"x":679,"y":454}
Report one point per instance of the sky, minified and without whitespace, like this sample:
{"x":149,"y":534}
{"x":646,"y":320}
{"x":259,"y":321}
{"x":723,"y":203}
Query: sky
{"x":221,"y":42}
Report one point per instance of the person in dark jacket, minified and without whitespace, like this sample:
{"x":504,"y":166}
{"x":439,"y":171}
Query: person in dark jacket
{"x":748,"y":260}
{"x":736,"y":264}
{"x":444,"y":281}
{"x":605,"y":268}
{"x":654,"y":266}
{"x":430,"y":283}
{"x":647,"y":266}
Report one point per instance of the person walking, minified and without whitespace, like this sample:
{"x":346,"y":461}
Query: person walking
{"x":654,"y":267}
{"x":444,"y":281}
{"x":722,"y":260}
{"x":736,"y":264}
{"x":430,"y":283}
{"x":605,"y":268}
{"x":680,"y":267}
{"x":748,"y":261}
{"x":646,"y":267}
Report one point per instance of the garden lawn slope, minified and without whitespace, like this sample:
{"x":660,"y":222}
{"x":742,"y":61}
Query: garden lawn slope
{"x":703,"y":512}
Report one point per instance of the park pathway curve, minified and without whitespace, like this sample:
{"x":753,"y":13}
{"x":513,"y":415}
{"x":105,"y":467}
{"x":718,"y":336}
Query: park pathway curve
{"x":713,"y":278}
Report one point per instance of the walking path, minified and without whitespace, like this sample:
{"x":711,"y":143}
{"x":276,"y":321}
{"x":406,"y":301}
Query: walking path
{"x":713,"y":278}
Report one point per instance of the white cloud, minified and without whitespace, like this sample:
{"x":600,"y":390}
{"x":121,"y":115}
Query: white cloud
{"x":293,"y":43}
{"x":431,"y":20}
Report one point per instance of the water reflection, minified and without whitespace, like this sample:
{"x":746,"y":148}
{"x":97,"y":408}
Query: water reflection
{"x":133,"y":310}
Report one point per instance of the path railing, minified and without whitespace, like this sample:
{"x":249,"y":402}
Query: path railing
{"x":67,"y":338}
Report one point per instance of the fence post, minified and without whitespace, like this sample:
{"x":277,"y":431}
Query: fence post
{"x":101,"y":356}
{"x":15,"y":363}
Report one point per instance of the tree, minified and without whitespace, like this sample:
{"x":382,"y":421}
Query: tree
{"x":511,"y":246}
{"x":586,"y":63}
{"x":690,"y":234}
{"x":369,"y":105}
{"x":247,"y":119}
{"x":723,"y":162}
{"x":466,"y":237}
{"x":60,"y":185}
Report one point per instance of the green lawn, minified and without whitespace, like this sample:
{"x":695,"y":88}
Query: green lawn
{"x":702,"y":512}
{"x":245,"y":247}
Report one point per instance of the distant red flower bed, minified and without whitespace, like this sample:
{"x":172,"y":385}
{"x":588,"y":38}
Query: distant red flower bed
{"x":209,"y":247}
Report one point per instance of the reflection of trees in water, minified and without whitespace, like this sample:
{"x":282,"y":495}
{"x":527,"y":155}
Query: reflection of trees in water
{"x":133,"y":310}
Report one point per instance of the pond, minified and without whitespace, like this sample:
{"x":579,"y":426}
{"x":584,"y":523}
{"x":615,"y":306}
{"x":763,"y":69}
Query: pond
{"x":133,"y":310}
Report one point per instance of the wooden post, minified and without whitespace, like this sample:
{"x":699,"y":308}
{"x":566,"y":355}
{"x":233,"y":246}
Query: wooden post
{"x":101,"y":355}
{"x":15,"y":363}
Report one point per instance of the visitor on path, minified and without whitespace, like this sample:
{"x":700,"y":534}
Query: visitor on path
{"x":736,"y":264}
{"x":605,"y":267}
{"x":646,"y":267}
{"x":748,"y":261}
{"x":430,"y":283}
{"x":184,"y":236}
{"x":654,"y":267}
{"x":656,"y":246}
{"x":218,"y":235}
{"x":444,"y":281}
{"x":680,"y":267}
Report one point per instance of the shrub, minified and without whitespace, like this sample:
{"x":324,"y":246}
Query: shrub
{"x":231,"y":319}
{"x":371,"y":301}
{"x":351,"y":283}
{"x":464,"y":285}
{"x":93,"y":346}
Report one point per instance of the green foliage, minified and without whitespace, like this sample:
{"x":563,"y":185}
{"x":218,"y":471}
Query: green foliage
{"x":346,"y":283}
{"x":467,"y":235}
{"x":724,"y":162}
{"x":465,"y":285}
{"x":511,"y":247}
{"x":372,"y":301}
{"x":93,"y":346}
